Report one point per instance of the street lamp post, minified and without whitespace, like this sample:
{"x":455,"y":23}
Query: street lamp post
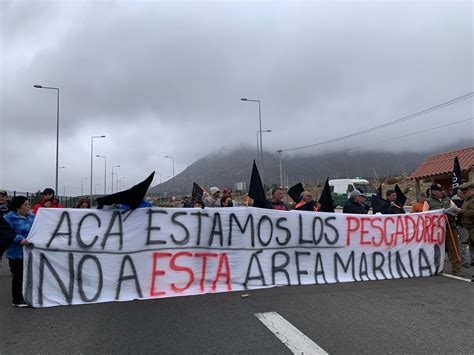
{"x":119,"y":183}
{"x":112,"y":180}
{"x":105,"y":172}
{"x":157,"y":172}
{"x":82,"y":185}
{"x":281,"y":171}
{"x":174,"y":184}
{"x":260,"y":132}
{"x":258,"y":149}
{"x":64,"y":190}
{"x":260,"y":124}
{"x":92,"y":163}
{"x":167,"y":156}
{"x":57,"y":128}
{"x":117,"y":180}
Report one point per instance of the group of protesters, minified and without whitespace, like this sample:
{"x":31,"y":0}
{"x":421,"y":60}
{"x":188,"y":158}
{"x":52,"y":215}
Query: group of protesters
{"x":16,"y":218}
{"x":211,"y":199}
{"x":214,"y":198}
{"x":459,"y":210}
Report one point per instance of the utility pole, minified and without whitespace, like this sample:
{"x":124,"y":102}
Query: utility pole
{"x":281,"y":170}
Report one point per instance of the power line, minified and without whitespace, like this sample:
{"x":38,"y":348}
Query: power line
{"x":246,"y":165}
{"x":391,"y":123}
{"x":395,"y":138}
{"x":414,"y":133}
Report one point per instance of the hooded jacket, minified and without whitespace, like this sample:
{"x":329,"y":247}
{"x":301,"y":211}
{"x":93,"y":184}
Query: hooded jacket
{"x":54,"y":204}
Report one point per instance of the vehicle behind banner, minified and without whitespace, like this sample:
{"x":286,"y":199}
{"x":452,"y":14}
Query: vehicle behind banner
{"x":83,"y":256}
{"x":341,"y":189}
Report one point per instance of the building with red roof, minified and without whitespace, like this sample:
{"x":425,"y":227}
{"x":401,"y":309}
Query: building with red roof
{"x":439,"y":168}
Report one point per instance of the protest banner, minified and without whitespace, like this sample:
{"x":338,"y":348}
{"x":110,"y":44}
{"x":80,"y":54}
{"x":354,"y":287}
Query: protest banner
{"x":83,"y":256}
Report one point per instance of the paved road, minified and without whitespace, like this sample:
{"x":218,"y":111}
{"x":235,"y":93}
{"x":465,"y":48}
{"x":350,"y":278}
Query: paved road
{"x":428,"y":315}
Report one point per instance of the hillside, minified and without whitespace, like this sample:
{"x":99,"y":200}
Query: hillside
{"x":228,"y":167}
{"x":225,"y":169}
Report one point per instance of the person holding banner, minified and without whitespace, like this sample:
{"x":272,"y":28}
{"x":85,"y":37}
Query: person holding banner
{"x":393,"y":207}
{"x":276,"y":201}
{"x":306,"y":202}
{"x":355,"y":203}
{"x":20,"y":220}
{"x":438,"y":201}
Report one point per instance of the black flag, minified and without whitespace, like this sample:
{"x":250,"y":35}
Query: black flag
{"x":457,"y":175}
{"x":379,"y":191}
{"x":379,"y":204}
{"x":256,"y":190}
{"x":198,"y":192}
{"x":326,"y":202}
{"x":131,"y":197}
{"x":295,"y":191}
{"x":401,"y":197}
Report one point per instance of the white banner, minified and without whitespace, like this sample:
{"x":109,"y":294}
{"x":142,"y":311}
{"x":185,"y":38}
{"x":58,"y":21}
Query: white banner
{"x":87,"y":256}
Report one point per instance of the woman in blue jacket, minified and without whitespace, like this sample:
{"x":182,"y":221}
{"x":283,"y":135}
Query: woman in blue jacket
{"x":20,"y":219}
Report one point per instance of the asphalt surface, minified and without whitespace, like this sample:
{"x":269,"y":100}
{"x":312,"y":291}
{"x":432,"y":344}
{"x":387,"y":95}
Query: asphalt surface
{"x":426,"y":315}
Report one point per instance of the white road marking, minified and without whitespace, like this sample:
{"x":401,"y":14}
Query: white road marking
{"x":289,"y":335}
{"x":456,"y":277}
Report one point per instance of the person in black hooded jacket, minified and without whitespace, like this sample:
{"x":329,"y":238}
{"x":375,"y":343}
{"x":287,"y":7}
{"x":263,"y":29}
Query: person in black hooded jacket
{"x":393,"y":207}
{"x":6,"y":233}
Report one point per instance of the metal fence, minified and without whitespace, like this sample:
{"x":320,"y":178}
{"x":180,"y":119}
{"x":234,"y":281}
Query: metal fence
{"x":71,"y":201}
{"x":35,"y":197}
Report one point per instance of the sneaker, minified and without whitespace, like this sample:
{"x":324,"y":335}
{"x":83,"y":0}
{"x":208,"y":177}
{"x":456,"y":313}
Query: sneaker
{"x":458,"y":273}
{"x":20,"y":305}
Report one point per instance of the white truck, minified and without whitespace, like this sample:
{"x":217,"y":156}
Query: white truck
{"x":341,"y":189}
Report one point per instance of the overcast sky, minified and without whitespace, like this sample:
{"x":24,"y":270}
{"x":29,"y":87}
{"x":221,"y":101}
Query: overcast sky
{"x":166,"y":78}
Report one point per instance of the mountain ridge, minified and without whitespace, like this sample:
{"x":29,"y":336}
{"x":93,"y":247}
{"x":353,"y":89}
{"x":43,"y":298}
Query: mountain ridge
{"x":225,"y":168}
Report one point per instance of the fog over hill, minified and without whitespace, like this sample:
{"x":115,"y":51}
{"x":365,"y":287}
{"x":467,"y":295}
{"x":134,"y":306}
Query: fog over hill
{"x":225,"y":168}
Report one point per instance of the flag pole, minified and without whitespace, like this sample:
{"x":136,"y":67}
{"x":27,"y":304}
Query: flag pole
{"x":452,"y":237}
